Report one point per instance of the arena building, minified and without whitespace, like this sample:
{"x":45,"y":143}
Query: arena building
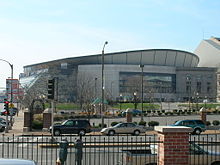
{"x":164,"y":74}
{"x":209,"y":54}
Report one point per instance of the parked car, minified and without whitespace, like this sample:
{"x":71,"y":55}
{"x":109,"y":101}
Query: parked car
{"x":134,"y":112}
{"x":2,"y":127}
{"x":12,"y":112}
{"x":148,"y":156}
{"x":16,"y":162}
{"x":72,"y":126}
{"x":197,"y":125}
{"x":124,"y":128}
{"x":2,"y":124}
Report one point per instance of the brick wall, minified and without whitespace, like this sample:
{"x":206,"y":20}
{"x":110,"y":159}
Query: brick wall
{"x":173,"y":148}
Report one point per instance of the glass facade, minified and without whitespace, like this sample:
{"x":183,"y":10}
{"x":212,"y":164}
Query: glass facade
{"x":152,"y":82}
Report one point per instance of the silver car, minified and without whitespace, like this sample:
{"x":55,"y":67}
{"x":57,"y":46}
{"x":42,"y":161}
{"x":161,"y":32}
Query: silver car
{"x":197,"y":156}
{"x":124,"y":128}
{"x":16,"y":162}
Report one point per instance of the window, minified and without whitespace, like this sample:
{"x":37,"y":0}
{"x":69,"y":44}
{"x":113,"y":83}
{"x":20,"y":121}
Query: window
{"x":63,"y":65}
{"x":209,"y":88}
{"x":198,"y":87}
{"x":69,"y":123}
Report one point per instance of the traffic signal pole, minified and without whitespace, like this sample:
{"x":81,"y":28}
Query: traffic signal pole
{"x":51,"y":96}
{"x":6,"y":102}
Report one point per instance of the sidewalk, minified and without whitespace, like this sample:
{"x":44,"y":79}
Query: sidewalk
{"x":17,"y":128}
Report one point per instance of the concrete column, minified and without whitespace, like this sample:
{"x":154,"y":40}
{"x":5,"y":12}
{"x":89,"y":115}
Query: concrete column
{"x":173,"y":146}
{"x":128,"y":115}
{"x":203,"y":114}
{"x":27,"y":121}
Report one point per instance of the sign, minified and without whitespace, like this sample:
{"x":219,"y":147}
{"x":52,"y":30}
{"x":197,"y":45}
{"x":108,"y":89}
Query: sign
{"x":13,"y":88}
{"x":11,"y":105}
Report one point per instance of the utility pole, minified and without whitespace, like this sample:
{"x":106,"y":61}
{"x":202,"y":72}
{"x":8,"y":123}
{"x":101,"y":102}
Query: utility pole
{"x":103,"y":105}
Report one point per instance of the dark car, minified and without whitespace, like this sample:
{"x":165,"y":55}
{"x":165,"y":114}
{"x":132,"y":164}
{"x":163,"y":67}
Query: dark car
{"x":197,"y":125}
{"x":72,"y":126}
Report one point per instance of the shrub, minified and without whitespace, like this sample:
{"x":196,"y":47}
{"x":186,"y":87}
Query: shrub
{"x":215,"y":111}
{"x":38,"y":117}
{"x":148,"y":111}
{"x":208,"y":123}
{"x":153,"y":123}
{"x":58,"y":118}
{"x":114,"y":123}
{"x":175,"y":111}
{"x":189,"y":112}
{"x":36,"y":124}
{"x":142,"y":123}
{"x":159,"y":114}
{"x":215,"y":122}
{"x":100,"y":125}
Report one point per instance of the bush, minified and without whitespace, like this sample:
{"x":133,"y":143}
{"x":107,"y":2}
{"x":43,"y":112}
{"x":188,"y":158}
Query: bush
{"x":142,"y":123}
{"x":216,"y":122}
{"x":114,"y":123}
{"x":38,"y":117}
{"x":208,"y":123}
{"x":175,"y":111}
{"x":189,"y":112}
{"x":153,"y":123}
{"x":36,"y":124}
{"x":58,"y":118}
{"x":100,"y":125}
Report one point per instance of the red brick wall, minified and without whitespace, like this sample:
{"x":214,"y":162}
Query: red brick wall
{"x":173,"y":149}
{"x":47,"y":120}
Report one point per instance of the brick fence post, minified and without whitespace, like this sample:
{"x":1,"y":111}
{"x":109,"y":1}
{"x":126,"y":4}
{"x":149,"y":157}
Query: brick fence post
{"x":173,"y":148}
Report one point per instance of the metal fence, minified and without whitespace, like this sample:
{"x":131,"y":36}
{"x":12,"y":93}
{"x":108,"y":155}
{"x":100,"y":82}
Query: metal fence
{"x":104,"y":150}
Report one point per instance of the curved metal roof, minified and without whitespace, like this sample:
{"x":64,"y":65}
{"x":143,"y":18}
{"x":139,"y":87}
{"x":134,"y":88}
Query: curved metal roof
{"x":159,"y":57}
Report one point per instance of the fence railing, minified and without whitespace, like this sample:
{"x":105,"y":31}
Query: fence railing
{"x":103,"y":150}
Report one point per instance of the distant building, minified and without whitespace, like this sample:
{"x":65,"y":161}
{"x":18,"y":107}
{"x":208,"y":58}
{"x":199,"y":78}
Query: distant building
{"x":15,"y":89}
{"x":209,"y":55}
{"x":168,"y":75}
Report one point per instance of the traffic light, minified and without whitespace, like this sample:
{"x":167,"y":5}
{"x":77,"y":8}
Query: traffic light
{"x":51,"y":88}
{"x":6,"y":102}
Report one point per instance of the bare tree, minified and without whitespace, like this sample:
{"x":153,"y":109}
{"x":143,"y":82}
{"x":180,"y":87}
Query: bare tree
{"x":133,"y":84}
{"x":85,"y":89}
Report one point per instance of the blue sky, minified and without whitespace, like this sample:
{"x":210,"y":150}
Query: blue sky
{"x":34,"y":31}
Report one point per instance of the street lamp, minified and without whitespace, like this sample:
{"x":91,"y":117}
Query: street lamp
{"x":197,"y":99}
{"x":188,"y":88}
{"x":142,"y":91}
{"x":205,"y":101}
{"x":103,"y":82}
{"x":11,"y":65}
{"x":95,"y":87}
{"x":135,"y":100}
{"x":120,"y":100}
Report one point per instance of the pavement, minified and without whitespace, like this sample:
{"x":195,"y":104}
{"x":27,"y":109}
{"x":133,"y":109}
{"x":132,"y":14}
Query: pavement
{"x":17,"y":128}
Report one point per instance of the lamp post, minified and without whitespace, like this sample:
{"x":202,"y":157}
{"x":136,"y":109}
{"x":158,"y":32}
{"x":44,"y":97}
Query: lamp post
{"x":120,"y":100}
{"x":135,"y":100}
{"x":189,"y":89}
{"x":103,"y":82}
{"x":197,"y":99}
{"x":11,"y":100}
{"x":205,"y":101}
{"x":95,"y":87}
{"x":142,"y":91}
